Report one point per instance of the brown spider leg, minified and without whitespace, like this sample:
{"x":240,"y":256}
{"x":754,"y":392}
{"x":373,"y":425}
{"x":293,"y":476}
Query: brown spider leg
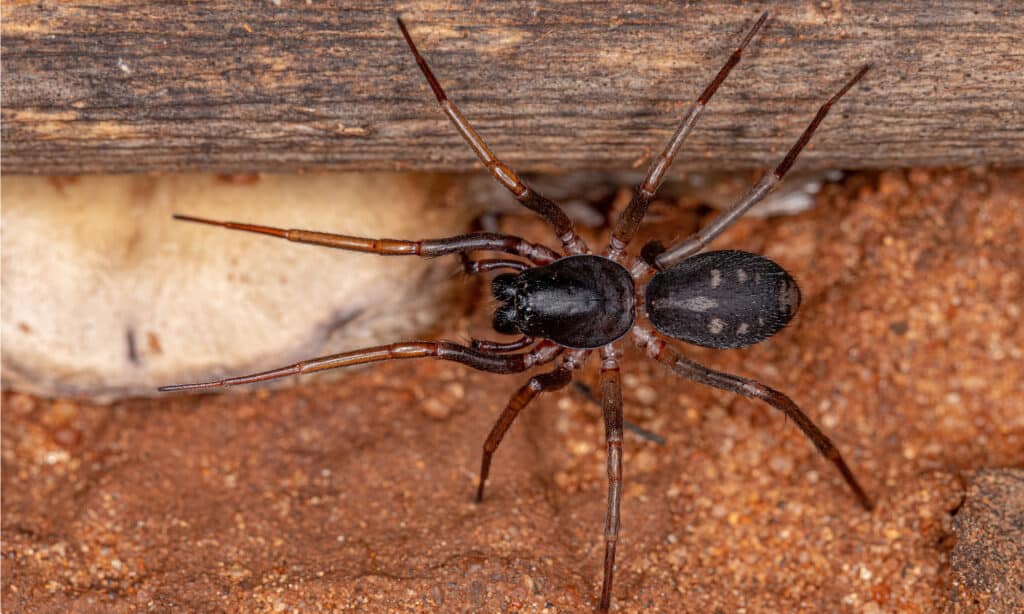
{"x":543,"y":353}
{"x":498,"y":347}
{"x":544,"y":382}
{"x":427,"y":248}
{"x":659,"y":350}
{"x":506,"y":176}
{"x":472,"y":267}
{"x":636,"y":429}
{"x":629,"y":221}
{"x":697,"y":241}
{"x":611,"y":403}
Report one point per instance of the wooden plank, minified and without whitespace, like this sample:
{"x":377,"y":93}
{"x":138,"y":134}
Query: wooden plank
{"x":278,"y":86}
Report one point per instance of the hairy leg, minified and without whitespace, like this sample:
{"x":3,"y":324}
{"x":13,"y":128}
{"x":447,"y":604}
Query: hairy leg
{"x":659,"y":350}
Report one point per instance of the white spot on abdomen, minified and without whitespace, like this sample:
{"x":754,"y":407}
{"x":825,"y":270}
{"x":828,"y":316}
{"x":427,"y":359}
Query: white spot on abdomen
{"x":741,"y":275}
{"x":716,"y":326}
{"x":742,"y":329}
{"x":716,"y":278}
{"x":699,"y":303}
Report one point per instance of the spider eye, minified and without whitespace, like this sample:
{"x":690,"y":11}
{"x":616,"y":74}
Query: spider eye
{"x":504,"y":320}
{"x":503,"y":287}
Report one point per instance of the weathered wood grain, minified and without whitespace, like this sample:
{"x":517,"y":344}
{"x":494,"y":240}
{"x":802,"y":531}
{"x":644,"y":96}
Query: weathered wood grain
{"x":276,"y":86}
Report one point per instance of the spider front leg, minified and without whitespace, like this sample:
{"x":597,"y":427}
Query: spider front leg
{"x":474,"y":267}
{"x":629,"y":221}
{"x":442,"y":350}
{"x":551,"y":212}
{"x":426,"y":248}
{"x":611,"y":404}
{"x":659,"y":350}
{"x":499,"y":347}
{"x":694,"y":243}
{"x":555,"y":379}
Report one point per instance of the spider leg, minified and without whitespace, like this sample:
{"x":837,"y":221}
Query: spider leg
{"x":629,"y":221}
{"x":611,"y":403}
{"x":427,"y":248}
{"x":442,"y":350}
{"x":684,"y":367}
{"x":506,"y":176}
{"x":636,"y":429}
{"x":557,"y":378}
{"x":472,"y":267}
{"x":485,"y":345}
{"x":697,"y":241}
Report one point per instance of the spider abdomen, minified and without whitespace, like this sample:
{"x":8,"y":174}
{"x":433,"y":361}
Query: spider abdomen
{"x":579,"y":302}
{"x":722,"y":299}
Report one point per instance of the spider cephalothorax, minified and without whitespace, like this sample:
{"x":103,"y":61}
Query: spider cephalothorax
{"x":565,"y":305}
{"x":580,"y":302}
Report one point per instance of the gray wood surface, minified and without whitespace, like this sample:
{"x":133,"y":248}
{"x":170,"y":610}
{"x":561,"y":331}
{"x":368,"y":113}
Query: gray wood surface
{"x":278,"y":86}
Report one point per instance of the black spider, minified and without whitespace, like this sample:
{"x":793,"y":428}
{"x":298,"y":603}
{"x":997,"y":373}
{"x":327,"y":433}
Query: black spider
{"x":565,"y":305}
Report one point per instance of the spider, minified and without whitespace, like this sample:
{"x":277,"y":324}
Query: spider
{"x":562,"y":306}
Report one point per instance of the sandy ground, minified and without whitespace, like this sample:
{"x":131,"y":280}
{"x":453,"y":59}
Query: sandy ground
{"x":357,"y":495}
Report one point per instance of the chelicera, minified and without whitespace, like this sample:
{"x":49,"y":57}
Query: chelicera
{"x":563,"y":306}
